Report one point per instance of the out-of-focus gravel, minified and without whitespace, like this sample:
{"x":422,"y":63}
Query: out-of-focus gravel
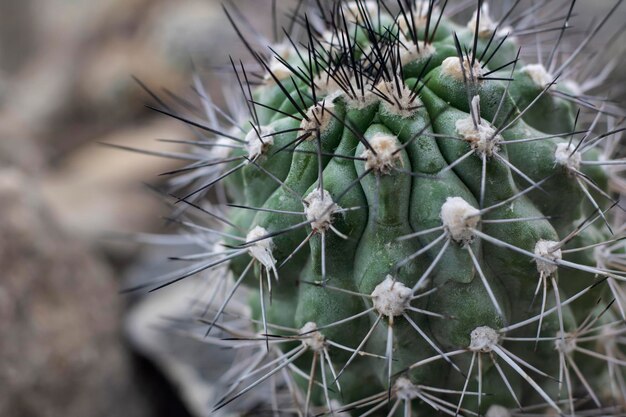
{"x":66,"y":85}
{"x":60,"y":350}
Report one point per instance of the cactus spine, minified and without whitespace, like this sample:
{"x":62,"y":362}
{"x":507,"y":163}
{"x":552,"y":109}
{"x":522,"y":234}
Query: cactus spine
{"x":426,"y":220}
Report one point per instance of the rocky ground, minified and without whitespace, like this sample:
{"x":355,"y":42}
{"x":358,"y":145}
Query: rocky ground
{"x":65,"y":87}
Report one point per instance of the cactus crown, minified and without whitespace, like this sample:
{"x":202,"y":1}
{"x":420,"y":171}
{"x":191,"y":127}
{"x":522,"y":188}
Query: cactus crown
{"x":424,"y":222}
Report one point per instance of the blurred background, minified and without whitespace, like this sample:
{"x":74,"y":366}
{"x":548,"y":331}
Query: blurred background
{"x":66,"y":86}
{"x":66,"y":67}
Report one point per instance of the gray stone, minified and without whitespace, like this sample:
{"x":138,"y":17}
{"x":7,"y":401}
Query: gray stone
{"x":60,"y":350}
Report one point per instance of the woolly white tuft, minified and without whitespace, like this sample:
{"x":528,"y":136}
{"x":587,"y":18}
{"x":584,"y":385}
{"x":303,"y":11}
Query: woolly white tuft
{"x":402,"y":103}
{"x":262,"y":249}
{"x":459,"y":218}
{"x":405,"y":389}
{"x":547,"y":249}
{"x":391,"y":297}
{"x":258,"y":142}
{"x":451,"y":67}
{"x":538,"y":73}
{"x":567,"y":156}
{"x":319,"y":208}
{"x":565,"y":342}
{"x":482,"y":339}
{"x":478,"y":133}
{"x":384,"y":158}
{"x":487,"y":25}
{"x":410,"y":52}
{"x":420,"y":16}
{"x":312,"y":338}
{"x":319,"y":116}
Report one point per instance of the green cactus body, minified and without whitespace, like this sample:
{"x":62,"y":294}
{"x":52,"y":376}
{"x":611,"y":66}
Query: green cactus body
{"x":420,"y":221}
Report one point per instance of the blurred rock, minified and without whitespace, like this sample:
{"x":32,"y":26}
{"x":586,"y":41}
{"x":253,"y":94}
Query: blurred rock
{"x":163,"y":326}
{"x":19,"y":151}
{"x":98,"y":189}
{"x":60,"y":353}
{"x":75,"y":83}
{"x":16,"y":34}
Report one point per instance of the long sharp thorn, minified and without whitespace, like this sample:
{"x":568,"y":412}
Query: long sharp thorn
{"x":230,"y":296}
{"x":360,"y":346}
{"x":492,"y":296}
{"x":526,"y":377}
{"x":302,"y":350}
{"x":431,"y":343}
{"x":263,"y":313}
{"x":469,"y":374}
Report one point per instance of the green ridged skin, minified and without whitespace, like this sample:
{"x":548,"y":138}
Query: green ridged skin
{"x":413,"y":218}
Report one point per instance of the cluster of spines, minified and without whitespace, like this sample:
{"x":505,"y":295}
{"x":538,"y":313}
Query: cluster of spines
{"x":348,"y":50}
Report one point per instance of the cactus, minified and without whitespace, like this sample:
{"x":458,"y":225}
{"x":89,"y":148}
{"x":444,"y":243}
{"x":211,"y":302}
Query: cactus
{"x":424,"y":219}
